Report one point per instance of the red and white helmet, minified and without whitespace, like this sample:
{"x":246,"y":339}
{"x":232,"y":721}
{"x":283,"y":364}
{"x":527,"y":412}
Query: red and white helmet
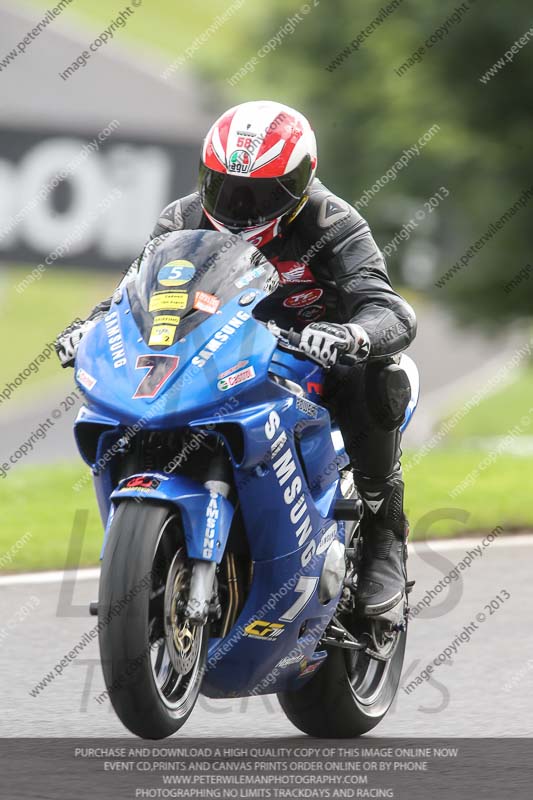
{"x":258,"y":160}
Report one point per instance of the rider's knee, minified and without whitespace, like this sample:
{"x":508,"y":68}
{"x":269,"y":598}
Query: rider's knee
{"x":388,"y":392}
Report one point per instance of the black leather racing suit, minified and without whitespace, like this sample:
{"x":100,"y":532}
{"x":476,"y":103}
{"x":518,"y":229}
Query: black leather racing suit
{"x":329,"y":246}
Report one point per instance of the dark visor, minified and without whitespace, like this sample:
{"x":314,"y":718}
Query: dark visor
{"x":239,"y":202}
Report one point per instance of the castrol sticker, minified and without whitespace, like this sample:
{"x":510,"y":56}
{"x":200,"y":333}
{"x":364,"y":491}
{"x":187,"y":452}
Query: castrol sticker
{"x":234,"y":380}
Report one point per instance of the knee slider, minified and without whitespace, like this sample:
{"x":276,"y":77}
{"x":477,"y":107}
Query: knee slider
{"x":388,"y":392}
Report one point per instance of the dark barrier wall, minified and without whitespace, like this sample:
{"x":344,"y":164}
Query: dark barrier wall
{"x":86,"y":200}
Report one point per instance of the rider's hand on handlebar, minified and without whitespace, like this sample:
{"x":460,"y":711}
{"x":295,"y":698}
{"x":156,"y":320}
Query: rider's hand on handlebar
{"x":67,"y":343}
{"x":326,"y":341}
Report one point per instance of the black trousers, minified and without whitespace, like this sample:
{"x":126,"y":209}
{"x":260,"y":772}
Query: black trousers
{"x":368,"y":402}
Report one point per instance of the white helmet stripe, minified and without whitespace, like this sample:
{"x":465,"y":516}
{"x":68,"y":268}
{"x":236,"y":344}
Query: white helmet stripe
{"x":270,"y":154}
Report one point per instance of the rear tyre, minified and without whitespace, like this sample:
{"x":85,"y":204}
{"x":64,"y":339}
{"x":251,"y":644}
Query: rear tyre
{"x":153,"y":661}
{"x":352,"y":691}
{"x":349,"y":695}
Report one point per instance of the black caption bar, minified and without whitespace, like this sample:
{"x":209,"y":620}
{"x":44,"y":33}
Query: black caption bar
{"x":417,"y":769}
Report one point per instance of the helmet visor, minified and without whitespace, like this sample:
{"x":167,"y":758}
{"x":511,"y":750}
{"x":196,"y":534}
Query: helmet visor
{"x":240,"y":202}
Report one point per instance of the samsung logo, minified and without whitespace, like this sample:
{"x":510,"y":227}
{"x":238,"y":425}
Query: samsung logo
{"x":114,"y":337}
{"x":219,"y":338}
{"x":292,"y":488}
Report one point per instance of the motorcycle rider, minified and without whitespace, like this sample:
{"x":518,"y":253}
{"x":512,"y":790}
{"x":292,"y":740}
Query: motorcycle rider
{"x":258,"y":179}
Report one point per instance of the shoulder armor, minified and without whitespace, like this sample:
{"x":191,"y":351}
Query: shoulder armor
{"x":329,"y":218}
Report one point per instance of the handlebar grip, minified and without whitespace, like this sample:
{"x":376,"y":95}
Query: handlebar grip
{"x":348,"y":360}
{"x":294,"y":338}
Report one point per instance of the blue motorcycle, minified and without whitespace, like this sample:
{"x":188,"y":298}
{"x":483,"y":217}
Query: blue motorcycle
{"x":232,"y":542}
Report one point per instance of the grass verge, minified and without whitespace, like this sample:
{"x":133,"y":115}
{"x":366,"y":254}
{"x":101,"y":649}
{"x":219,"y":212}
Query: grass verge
{"x":38,"y":507}
{"x":500,"y":412}
{"x":41,"y":502}
{"x":499,"y":495}
{"x":33,"y":318}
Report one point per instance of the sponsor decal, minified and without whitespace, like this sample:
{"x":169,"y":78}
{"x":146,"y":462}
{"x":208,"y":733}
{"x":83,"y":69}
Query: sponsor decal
{"x":289,"y":660}
{"x":226,"y":372}
{"x":176,"y":273}
{"x":203,"y":301}
{"x":292,"y":271}
{"x":168,"y":301}
{"x":143,"y":482}
{"x":327,"y":538}
{"x":306,"y":669}
{"x":167,"y":319}
{"x":304,"y":298}
{"x":212,"y":514}
{"x":315,"y":388}
{"x":162,"y":335}
{"x":249,"y":276}
{"x":306,"y":407}
{"x":236,"y":378}
{"x":114,"y":337}
{"x":247,"y":298}
{"x":220,"y":337}
{"x":86,"y":380}
{"x":240,"y":161}
{"x":290,"y":484}
{"x":264,"y":630}
{"x":311,"y":313}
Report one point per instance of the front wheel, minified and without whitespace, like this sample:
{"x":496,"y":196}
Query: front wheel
{"x":152,"y":659}
{"x":351,"y":692}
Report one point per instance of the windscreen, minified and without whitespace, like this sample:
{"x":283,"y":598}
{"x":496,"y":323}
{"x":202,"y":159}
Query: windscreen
{"x":185,"y":276}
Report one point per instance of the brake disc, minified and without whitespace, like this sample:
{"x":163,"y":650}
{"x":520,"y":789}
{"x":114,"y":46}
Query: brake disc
{"x":182,"y":639}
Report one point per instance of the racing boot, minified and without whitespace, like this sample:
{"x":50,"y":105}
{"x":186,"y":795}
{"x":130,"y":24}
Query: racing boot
{"x":382,"y":584}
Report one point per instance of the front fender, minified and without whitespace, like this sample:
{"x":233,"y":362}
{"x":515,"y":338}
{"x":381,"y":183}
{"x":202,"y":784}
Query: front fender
{"x":206,"y":516}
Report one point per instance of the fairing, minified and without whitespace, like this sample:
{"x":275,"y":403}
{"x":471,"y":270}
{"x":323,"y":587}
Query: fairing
{"x":286,"y":474}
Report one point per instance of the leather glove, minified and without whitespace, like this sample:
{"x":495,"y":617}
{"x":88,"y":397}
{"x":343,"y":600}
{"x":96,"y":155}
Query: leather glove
{"x":325,"y":341}
{"x":67,"y":343}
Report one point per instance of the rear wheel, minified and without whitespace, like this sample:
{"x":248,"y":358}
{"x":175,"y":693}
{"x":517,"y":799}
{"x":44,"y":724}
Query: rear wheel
{"x":353,"y":690}
{"x":152,"y":659}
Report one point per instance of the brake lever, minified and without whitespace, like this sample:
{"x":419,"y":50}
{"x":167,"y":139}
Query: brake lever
{"x":274,"y":329}
{"x":292,"y":337}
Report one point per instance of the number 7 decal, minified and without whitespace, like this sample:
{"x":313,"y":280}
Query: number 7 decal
{"x":160,"y":368}
{"x":305,"y":588}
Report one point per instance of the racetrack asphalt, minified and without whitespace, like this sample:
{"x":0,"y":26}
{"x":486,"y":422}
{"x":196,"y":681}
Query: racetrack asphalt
{"x":485,"y":689}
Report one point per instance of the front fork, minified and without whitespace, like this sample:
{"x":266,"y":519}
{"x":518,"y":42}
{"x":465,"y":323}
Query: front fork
{"x":203,"y":601}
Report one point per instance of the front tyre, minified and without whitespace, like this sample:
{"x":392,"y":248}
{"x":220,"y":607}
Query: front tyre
{"x":153,"y":661}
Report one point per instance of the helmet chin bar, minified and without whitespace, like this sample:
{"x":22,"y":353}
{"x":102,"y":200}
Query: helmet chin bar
{"x":260,"y":235}
{"x":257,"y":235}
